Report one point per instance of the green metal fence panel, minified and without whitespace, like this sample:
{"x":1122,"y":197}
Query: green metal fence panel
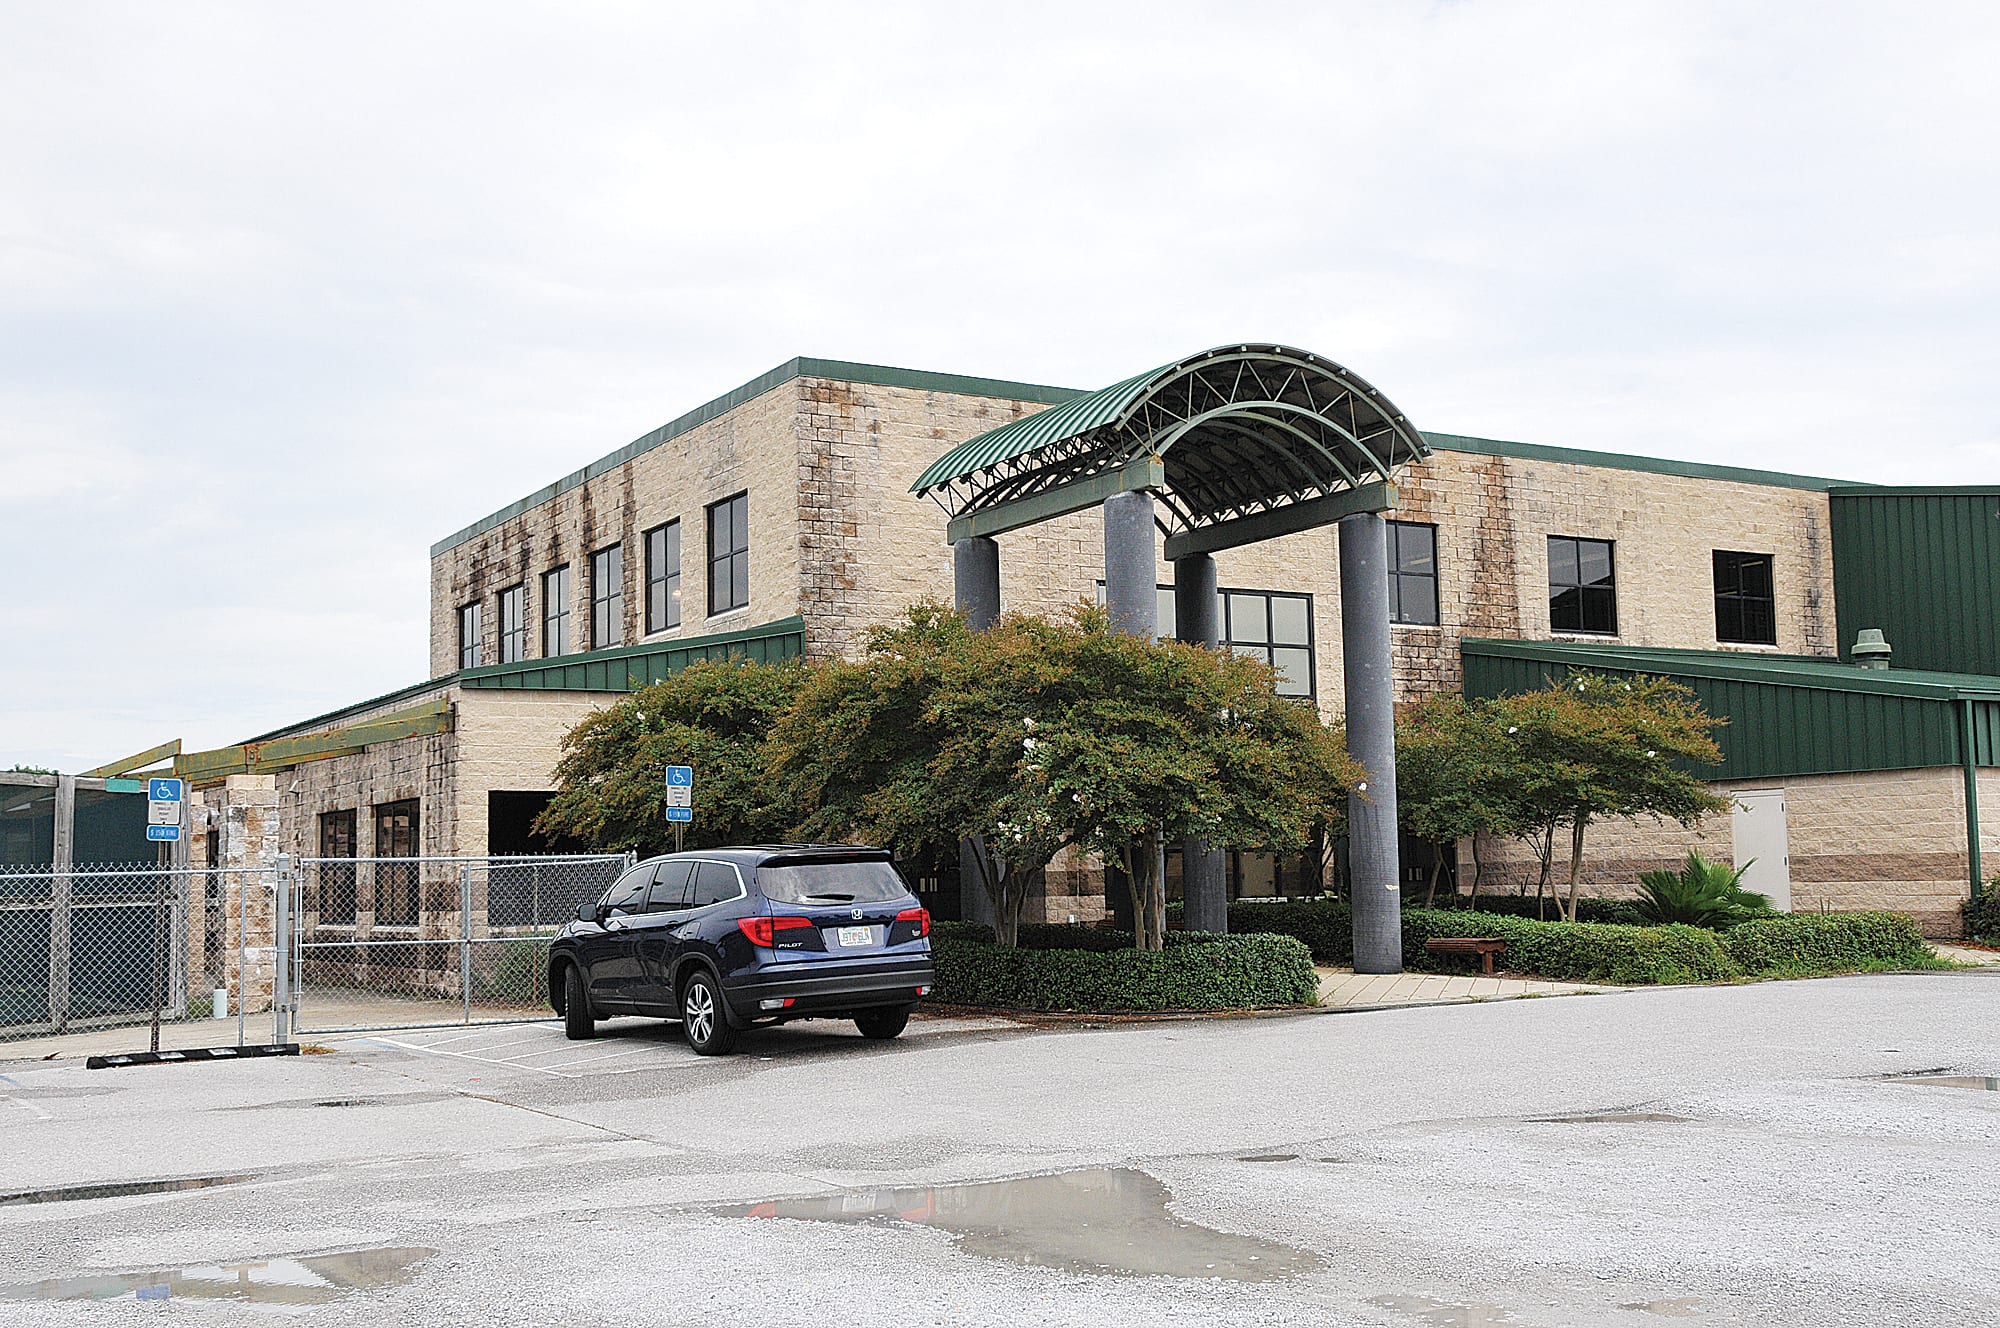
{"x":1923,"y":565}
{"x":628,"y":668}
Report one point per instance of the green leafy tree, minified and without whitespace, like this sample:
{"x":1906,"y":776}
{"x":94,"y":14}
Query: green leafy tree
{"x":714,"y":716}
{"x":1454,"y":777}
{"x":1591,"y":747}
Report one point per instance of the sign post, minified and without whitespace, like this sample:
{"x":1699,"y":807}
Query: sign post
{"x":164,"y":805}
{"x":680,"y":799}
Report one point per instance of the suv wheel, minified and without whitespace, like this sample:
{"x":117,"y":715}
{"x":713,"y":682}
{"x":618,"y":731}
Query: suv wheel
{"x":703,"y":1017}
{"x":578,"y":1022}
{"x":882,"y":1024}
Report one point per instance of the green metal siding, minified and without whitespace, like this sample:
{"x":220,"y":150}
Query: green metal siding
{"x":628,"y":668}
{"x":1775,"y":728}
{"x":1924,"y":567}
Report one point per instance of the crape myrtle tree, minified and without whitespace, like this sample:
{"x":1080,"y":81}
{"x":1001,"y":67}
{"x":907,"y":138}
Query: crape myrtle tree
{"x":1455,"y":778}
{"x":714,"y":716}
{"x":1588,"y":747}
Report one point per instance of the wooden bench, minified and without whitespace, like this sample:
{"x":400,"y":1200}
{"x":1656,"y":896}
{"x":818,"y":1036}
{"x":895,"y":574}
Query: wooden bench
{"x":1483,"y":946}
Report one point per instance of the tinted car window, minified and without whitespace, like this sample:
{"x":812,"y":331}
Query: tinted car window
{"x":714,"y":882}
{"x":873,"y":882}
{"x":628,"y":893}
{"x":670,"y":887}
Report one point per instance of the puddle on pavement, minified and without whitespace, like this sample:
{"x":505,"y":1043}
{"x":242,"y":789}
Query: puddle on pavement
{"x":1270,"y":1157}
{"x":1101,"y":1220}
{"x":1444,"y":1313}
{"x":1978,"y":1082}
{"x":1611,"y":1118}
{"x":117,"y":1189}
{"x":313,"y":1279}
{"x":1681,"y":1307}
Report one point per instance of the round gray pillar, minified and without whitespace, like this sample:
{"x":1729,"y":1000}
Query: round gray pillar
{"x":1131,"y":553}
{"x":975,"y":584}
{"x":1204,"y":867}
{"x":1374,"y":873}
{"x":975,"y":580}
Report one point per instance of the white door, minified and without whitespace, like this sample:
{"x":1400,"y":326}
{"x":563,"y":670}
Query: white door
{"x":1761,"y":841}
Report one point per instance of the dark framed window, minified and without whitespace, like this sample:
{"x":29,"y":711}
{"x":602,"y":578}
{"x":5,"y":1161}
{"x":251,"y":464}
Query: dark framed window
{"x":396,"y":827}
{"x":336,"y":879}
{"x":1583,"y":591}
{"x":729,"y":554}
{"x":469,"y":639}
{"x":1272,"y":625}
{"x":607,"y":597}
{"x":663,"y":577}
{"x":555,"y":613}
{"x":513,"y":624}
{"x":1746,"y":599}
{"x":1413,"y":573}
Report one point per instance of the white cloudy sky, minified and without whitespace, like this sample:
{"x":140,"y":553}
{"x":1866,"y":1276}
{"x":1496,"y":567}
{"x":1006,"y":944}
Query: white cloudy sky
{"x":288,"y":292}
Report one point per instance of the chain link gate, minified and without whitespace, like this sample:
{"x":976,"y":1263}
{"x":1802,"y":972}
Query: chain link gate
{"x":422,"y":942}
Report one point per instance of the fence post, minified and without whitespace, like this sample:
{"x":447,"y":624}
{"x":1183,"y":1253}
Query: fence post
{"x":281,"y":951}
{"x":59,"y":902}
{"x":465,"y":936}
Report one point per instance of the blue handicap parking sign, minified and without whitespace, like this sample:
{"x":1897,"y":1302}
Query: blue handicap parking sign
{"x":167,"y":833}
{"x":680,"y":776}
{"x":163,"y":790}
{"x":680,"y":813}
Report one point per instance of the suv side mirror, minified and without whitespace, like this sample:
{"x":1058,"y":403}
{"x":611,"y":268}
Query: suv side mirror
{"x":587,"y":912}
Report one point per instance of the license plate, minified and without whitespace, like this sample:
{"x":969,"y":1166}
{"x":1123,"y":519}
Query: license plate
{"x":857,"y":935}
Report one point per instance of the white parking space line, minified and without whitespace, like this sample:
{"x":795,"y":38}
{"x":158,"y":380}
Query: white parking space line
{"x":463,"y":1056}
{"x":475,"y":1033}
{"x":29,"y":1107}
{"x":561,"y":1069}
{"x":592,"y":1060}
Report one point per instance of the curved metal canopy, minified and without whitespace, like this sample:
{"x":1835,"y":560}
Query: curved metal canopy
{"x":1222,"y":437}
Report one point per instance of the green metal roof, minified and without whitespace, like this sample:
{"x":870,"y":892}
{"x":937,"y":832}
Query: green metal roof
{"x":1786,"y":714}
{"x":1693,"y":470}
{"x":628,"y":668}
{"x":1923,"y":565}
{"x":1078,"y":415}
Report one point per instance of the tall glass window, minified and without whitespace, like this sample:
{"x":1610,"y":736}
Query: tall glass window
{"x":663,"y":577}
{"x":396,"y":827}
{"x":1746,"y":599}
{"x":729,"y":554}
{"x":555,"y":613}
{"x":607,"y":597}
{"x":1413,"y":573}
{"x":336,"y":879}
{"x":513,"y":624}
{"x":1583,"y":595}
{"x":1271,"y":625}
{"x":469,"y":642}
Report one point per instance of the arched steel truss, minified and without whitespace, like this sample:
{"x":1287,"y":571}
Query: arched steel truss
{"x":1246,"y":440}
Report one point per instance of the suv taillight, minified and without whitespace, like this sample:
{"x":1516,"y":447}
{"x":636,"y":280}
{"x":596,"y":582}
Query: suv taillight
{"x":920,"y":916}
{"x":764,"y":931}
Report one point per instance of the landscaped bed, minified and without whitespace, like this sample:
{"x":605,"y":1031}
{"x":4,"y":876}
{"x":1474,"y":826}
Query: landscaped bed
{"x":1094,"y":969}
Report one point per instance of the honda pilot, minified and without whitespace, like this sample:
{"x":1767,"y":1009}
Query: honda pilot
{"x":722,"y":939}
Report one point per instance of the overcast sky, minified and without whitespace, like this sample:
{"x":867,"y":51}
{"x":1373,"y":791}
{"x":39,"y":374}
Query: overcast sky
{"x":289,"y":292}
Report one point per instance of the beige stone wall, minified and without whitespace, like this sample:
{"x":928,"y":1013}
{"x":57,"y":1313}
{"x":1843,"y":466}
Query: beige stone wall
{"x":510,"y":741}
{"x":1892,"y":839}
{"x":752,"y":448}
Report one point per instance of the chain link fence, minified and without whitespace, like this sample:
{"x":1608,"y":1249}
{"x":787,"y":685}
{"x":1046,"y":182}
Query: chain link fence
{"x":416,"y":942}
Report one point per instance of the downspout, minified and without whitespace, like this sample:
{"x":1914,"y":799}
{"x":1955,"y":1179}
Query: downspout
{"x":1970,"y":760}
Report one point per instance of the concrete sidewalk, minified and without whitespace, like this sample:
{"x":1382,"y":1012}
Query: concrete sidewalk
{"x":1344,"y":989}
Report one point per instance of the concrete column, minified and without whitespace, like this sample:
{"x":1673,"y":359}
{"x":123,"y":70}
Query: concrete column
{"x":1131,"y":552}
{"x":975,"y":583}
{"x":1204,"y":867}
{"x":975,"y":580}
{"x":1374,"y":871}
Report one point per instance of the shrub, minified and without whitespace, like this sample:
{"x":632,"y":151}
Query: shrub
{"x":1574,"y":951}
{"x":1588,"y":909}
{"x":1700,"y":894}
{"x":1325,"y":925}
{"x":1794,"y":944}
{"x":1074,"y":970}
{"x":1982,"y":915}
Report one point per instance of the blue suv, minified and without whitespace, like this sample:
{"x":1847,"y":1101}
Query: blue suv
{"x":723,"y":938}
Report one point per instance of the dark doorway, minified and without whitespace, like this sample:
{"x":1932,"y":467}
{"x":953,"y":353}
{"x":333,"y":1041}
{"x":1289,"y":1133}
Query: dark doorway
{"x":510,"y":822}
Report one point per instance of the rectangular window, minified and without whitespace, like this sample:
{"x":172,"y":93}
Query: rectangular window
{"x":1270,"y":625}
{"x":1413,"y":574}
{"x":555,"y":613}
{"x":396,"y":829}
{"x":729,"y":554}
{"x":1746,"y":599}
{"x":468,"y":637}
{"x":513,"y":624}
{"x":1583,"y":596}
{"x":336,"y":879}
{"x":607,"y":597}
{"x":663,"y":577}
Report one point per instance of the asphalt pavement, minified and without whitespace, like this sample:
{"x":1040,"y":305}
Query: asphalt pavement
{"x":1758,"y":1154}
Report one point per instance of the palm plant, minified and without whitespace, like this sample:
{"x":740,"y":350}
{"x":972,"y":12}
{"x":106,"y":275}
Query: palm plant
{"x":1700,"y":894}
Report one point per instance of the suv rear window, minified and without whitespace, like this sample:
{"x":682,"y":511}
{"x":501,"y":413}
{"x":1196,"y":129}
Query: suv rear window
{"x":873,"y":882}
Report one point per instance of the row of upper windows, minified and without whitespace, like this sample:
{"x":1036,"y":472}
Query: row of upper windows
{"x":1583,"y":586}
{"x":728,"y":590}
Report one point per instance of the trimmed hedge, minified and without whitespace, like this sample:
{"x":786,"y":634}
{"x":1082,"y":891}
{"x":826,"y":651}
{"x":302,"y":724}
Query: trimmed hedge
{"x":1787,"y":945}
{"x":1982,"y":915}
{"x":1091,"y":969}
{"x":1623,"y":912}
